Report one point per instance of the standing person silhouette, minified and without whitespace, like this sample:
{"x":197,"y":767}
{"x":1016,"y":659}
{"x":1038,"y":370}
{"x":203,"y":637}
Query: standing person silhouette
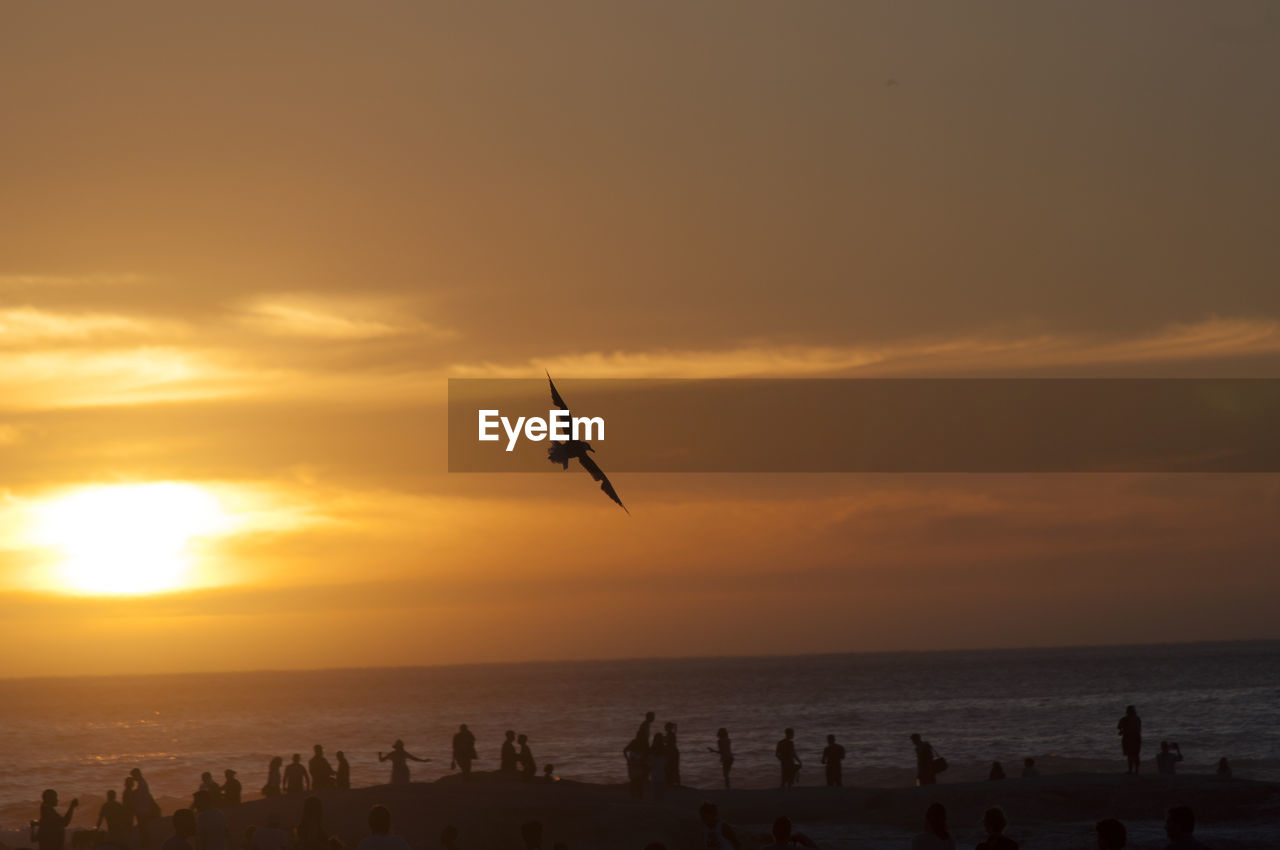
{"x":231,"y":789}
{"x":925,"y":773}
{"x":464,"y":750}
{"x":51,"y":829}
{"x":296,"y":778}
{"x":833,"y":758}
{"x":399,"y":758}
{"x":320,"y":769}
{"x":119,"y":822}
{"x":1167,"y":759}
{"x":788,"y":761}
{"x":207,"y":784}
{"x":637,"y":756}
{"x":673,"y":756}
{"x":144,"y":807}
{"x":1130,"y":731}
{"x":643,"y":733}
{"x":272,"y":788}
{"x":528,"y":767}
{"x":342,"y":779}
{"x":657,"y":765}
{"x":126,"y":799}
{"x":724,"y":749}
{"x":507,"y":760}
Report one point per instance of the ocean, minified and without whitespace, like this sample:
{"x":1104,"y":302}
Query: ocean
{"x":81,"y":736}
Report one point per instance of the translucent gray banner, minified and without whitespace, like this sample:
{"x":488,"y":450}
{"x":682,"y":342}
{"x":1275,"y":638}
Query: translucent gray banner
{"x":875,"y":425}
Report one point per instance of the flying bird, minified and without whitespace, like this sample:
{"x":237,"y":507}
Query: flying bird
{"x":566,"y":451}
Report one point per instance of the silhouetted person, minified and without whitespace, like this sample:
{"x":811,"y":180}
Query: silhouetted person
{"x":531,"y":835}
{"x":211,"y":823}
{"x":784,"y":836}
{"x":126,"y":799}
{"x":1167,"y":759}
{"x":272,"y":788}
{"x":464,"y":749}
{"x":342,"y":777}
{"x":1111,"y":834}
{"x":296,"y":779}
{"x":994,"y":822}
{"x":320,"y":769}
{"x":119,"y":822}
{"x":788,"y":761}
{"x":271,"y":836}
{"x":310,"y":833}
{"x":507,"y":761}
{"x":380,"y":837}
{"x":449,"y":837}
{"x":51,"y":828}
{"x":1224,"y":768}
{"x":144,"y":806}
{"x":1029,"y":770}
{"x":1180,"y":826}
{"x":636,"y":752}
{"x":1130,"y":731}
{"x":935,"y":835}
{"x":716,"y":834}
{"x":673,"y":755}
{"x":207,"y":784}
{"x":926,"y":773}
{"x":399,"y":758}
{"x":231,"y":789}
{"x":524,"y":758}
{"x":833,"y":757}
{"x":997,"y":771}
{"x":724,"y":749}
{"x":184,"y":831}
{"x":656,"y":761}
{"x":643,"y":732}
{"x":548,"y":772}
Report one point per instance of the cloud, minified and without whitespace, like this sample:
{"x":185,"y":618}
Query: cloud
{"x":38,"y":380}
{"x":333,"y":318}
{"x":28,"y":326}
{"x":1212,"y":339}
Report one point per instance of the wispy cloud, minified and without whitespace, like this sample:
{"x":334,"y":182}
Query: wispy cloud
{"x":325,"y":317}
{"x":1213,"y":339}
{"x":29,"y":326}
{"x":68,"y":378}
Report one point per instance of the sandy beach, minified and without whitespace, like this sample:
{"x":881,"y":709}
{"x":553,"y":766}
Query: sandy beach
{"x":1055,"y":811}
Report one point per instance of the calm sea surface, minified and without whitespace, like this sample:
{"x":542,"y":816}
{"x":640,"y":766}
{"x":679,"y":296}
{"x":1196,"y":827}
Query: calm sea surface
{"x":82,"y":735}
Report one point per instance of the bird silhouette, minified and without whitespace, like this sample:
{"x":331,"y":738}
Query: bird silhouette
{"x":563,"y":452}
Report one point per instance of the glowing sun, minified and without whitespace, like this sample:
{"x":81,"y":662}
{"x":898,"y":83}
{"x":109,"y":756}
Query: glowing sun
{"x":129,"y":538}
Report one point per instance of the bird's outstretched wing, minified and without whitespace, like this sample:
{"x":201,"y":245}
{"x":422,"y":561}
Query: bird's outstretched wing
{"x":555,"y":396}
{"x":598,"y":474}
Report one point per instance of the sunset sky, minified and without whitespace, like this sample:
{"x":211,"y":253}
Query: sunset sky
{"x":244,"y":246}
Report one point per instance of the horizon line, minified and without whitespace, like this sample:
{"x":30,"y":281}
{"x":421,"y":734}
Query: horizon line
{"x":643,"y":658}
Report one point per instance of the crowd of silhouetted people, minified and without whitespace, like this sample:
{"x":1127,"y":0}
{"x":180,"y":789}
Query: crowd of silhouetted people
{"x":652,"y":764}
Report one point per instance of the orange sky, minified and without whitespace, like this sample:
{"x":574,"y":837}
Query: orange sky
{"x":245,"y":247}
